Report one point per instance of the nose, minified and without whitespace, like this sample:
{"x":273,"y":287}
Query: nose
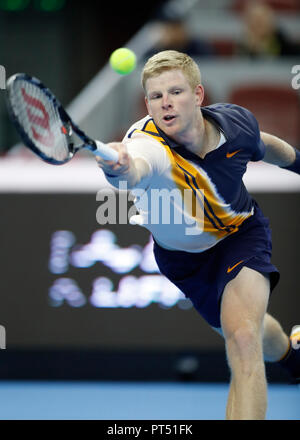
{"x":166,"y":102}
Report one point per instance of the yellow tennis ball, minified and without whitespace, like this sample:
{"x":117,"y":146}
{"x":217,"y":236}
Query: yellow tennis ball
{"x":123,"y":61}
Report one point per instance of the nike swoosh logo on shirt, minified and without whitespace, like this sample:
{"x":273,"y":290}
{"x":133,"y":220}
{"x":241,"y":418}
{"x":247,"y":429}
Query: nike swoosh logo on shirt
{"x":229,"y":155}
{"x":233,"y":267}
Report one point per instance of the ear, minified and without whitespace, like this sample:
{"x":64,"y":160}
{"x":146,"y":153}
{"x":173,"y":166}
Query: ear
{"x":199,"y":92}
{"x":148,"y":106}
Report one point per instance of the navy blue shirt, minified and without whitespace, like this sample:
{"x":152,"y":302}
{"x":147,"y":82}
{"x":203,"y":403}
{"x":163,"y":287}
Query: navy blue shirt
{"x":227,"y":164}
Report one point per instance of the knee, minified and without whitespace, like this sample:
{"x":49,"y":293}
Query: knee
{"x":244,"y":348}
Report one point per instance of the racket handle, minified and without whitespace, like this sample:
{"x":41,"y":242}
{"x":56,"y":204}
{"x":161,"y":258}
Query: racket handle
{"x":105,"y":152}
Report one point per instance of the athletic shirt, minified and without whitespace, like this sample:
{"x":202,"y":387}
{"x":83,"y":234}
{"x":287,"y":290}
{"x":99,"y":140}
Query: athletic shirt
{"x":189,"y":203}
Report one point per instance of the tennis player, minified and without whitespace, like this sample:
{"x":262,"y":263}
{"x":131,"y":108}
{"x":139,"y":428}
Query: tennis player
{"x":222,"y":264}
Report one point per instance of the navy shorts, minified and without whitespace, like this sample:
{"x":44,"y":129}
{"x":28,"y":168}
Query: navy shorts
{"x":203,"y":276}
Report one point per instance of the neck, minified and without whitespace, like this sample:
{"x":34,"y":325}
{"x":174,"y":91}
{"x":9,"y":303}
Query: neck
{"x":201,"y":138}
{"x":193,"y":137}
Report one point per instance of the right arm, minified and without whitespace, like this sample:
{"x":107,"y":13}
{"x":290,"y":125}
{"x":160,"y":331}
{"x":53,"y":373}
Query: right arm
{"x":127,"y":168}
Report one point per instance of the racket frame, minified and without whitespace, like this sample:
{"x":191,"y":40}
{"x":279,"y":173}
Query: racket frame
{"x":66,"y":120}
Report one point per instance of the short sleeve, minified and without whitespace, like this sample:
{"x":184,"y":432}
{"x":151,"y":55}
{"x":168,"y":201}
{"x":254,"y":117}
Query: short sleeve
{"x":257,"y":146}
{"x":259,"y":154}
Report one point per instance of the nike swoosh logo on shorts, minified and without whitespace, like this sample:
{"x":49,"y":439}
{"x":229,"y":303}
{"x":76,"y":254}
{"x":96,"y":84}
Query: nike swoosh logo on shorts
{"x":229,"y":155}
{"x":233,"y":267}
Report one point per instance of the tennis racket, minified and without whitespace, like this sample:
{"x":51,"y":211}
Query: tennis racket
{"x":44,"y":125}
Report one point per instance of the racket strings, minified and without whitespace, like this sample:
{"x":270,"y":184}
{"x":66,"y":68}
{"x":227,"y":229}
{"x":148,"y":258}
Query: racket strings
{"x":40,"y":119}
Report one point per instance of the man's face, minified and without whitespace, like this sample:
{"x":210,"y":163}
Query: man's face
{"x":172,"y":103}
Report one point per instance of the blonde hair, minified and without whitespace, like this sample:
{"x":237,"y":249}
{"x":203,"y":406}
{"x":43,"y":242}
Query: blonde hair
{"x":169,"y":60}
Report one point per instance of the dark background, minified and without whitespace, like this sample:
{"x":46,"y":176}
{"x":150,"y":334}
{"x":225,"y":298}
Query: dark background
{"x":72,"y":43}
{"x":66,"y":48}
{"x":154,"y":337}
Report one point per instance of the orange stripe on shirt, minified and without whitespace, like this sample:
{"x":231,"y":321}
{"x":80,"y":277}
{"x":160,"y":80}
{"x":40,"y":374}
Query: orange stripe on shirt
{"x":217,"y":220}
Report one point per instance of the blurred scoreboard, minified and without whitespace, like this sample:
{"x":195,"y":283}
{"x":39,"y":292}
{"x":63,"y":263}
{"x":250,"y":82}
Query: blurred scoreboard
{"x":69,"y":282}
{"x":111,"y":291}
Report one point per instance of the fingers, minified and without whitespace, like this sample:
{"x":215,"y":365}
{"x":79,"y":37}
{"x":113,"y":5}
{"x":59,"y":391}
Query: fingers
{"x":116,"y":168}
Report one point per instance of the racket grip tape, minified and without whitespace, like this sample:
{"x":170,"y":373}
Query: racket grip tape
{"x":105,"y":152}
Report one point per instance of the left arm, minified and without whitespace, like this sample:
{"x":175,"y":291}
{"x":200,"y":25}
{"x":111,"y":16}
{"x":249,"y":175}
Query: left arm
{"x":278,"y":152}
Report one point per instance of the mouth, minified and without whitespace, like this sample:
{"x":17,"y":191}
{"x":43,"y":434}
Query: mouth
{"x":169,"y":118}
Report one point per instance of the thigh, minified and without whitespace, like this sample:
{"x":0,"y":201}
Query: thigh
{"x":244,"y":301}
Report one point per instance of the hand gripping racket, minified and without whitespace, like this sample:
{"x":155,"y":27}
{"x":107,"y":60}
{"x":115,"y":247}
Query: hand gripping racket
{"x":44,"y":125}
